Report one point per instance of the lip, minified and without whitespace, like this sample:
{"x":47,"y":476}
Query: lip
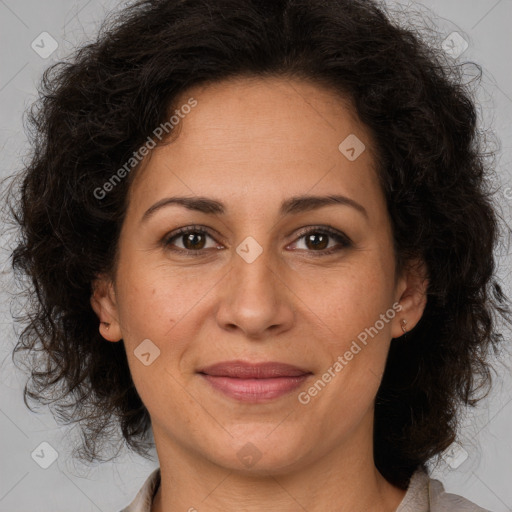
{"x":245,"y":370}
{"x":254,"y":382}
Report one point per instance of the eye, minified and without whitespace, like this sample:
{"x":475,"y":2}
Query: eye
{"x":316,"y":240}
{"x":193,"y":240}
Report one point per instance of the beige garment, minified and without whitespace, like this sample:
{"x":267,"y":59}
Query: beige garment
{"x":424,"y":494}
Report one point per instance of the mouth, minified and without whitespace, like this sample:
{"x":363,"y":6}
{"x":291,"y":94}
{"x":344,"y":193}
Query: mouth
{"x":254,"y":382}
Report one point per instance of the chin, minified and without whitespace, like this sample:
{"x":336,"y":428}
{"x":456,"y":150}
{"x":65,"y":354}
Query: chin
{"x":259,"y":453}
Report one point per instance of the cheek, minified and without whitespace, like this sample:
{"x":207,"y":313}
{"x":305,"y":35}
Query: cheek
{"x":151,"y":315}
{"x":152,"y":300}
{"x":358,"y":309}
{"x":163,"y":307}
{"x":353,"y":299}
{"x":356,"y":348}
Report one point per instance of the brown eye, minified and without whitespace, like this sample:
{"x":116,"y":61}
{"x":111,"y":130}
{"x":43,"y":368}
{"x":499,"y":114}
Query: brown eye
{"x":193,"y":241}
{"x":316,"y":240}
{"x":190,"y":239}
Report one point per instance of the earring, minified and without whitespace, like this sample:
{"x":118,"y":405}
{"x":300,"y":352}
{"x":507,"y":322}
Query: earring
{"x":403,"y":322}
{"x":106,"y":324}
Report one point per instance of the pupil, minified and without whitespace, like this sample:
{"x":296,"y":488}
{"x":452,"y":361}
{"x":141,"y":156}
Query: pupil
{"x":191,"y":241}
{"x":320,"y":245}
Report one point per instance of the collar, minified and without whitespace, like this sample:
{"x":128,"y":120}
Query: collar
{"x":424,"y":494}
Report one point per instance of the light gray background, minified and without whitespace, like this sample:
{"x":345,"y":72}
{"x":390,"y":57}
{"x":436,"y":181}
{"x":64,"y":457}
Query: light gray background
{"x":484,"y":476}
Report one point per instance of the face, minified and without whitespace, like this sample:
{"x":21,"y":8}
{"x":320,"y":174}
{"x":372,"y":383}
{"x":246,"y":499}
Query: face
{"x":262,"y":274}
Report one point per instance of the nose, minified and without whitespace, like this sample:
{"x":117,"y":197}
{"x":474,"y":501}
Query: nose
{"x":255,"y":299}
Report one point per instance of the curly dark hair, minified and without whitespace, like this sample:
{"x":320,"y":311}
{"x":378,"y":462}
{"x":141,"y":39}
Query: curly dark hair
{"x":100,"y":105}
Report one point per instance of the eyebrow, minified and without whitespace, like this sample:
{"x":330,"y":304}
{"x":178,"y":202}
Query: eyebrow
{"x":297,"y":204}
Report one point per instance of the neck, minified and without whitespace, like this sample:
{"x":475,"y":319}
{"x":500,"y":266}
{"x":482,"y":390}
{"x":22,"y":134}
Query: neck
{"x":344,"y":480}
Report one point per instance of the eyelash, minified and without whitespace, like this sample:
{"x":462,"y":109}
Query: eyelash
{"x":324,"y":230}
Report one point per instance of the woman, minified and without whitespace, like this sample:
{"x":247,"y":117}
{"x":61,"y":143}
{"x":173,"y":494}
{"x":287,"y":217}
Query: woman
{"x":262,"y":232}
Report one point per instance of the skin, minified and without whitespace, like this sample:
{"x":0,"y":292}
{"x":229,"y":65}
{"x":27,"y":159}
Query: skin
{"x":251,"y":144}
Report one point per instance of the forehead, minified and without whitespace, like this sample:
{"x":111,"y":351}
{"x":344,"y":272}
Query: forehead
{"x":261,"y":134}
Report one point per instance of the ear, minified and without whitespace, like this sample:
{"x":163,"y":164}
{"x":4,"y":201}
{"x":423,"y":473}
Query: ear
{"x":103,"y":302}
{"x":411,"y":294}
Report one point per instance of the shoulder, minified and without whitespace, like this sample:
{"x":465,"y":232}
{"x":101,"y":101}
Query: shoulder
{"x":442,"y":500}
{"x":426,"y":494}
{"x":144,"y":498}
